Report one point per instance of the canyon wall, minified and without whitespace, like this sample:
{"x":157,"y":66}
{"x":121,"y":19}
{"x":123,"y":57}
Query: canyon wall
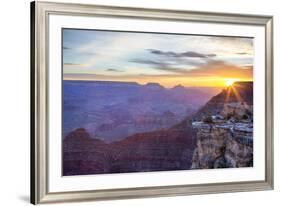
{"x":226,"y":139}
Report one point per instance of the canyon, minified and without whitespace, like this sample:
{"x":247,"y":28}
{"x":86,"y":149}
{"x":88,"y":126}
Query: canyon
{"x":218,"y":135}
{"x":112,"y":111}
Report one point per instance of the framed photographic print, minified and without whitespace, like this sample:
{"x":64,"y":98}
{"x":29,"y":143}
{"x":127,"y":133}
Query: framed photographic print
{"x":133,"y":102}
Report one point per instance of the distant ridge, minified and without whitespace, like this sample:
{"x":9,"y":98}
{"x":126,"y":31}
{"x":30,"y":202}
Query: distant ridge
{"x":178,"y":86}
{"x":101,"y":82}
{"x":149,"y":84}
{"x":154,"y":85}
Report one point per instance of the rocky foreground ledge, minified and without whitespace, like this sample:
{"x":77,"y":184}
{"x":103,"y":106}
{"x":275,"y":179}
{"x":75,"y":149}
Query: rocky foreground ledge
{"x":225,"y":140}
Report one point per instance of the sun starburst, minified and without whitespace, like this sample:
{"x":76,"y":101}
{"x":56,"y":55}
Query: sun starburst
{"x":229,"y":82}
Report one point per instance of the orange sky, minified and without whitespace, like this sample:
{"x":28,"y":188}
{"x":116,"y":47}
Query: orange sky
{"x":211,"y":76}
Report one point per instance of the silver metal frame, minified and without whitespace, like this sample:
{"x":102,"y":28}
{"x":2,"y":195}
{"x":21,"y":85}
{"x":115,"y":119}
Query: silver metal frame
{"x":40,"y":12}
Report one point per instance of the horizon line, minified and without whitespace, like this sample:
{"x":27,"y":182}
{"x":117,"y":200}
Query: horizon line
{"x":137,"y":83}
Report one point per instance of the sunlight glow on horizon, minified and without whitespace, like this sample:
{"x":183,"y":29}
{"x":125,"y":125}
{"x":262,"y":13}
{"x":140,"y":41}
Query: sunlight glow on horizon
{"x":171,"y":82}
{"x":229,"y":82}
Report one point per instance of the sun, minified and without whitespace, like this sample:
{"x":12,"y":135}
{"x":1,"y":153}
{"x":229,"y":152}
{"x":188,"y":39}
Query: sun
{"x":229,"y":82}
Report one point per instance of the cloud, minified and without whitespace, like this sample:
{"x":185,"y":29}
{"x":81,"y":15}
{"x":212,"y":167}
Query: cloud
{"x":168,"y":62}
{"x":242,"y":53}
{"x":209,"y":68}
{"x":73,"y":64}
{"x":211,"y":74}
{"x":222,"y":69}
{"x":190,"y":54}
{"x":163,"y":66}
{"x":113,"y":70}
{"x":177,"y":66}
{"x":145,"y":61}
{"x":65,"y":48}
{"x":217,"y":69}
{"x":214,"y":69}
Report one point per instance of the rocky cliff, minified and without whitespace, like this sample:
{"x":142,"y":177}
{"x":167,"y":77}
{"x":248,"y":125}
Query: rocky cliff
{"x":225,"y":131}
{"x":238,"y":92}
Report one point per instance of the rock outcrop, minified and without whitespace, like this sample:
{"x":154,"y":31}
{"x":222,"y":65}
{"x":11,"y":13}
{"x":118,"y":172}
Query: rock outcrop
{"x":225,"y":140}
{"x":83,"y":154}
{"x":239,"y":92}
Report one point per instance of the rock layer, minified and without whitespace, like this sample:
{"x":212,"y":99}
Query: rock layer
{"x":225,"y":140}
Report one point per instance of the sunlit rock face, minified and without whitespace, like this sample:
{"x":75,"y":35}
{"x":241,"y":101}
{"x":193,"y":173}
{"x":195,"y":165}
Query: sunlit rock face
{"x":225,"y":140}
{"x":238,"y":110}
{"x":239,"y":95}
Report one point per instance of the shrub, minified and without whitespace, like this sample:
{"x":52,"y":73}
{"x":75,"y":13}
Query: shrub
{"x":208,"y":120}
{"x":228,"y":116}
{"x":245,"y":117}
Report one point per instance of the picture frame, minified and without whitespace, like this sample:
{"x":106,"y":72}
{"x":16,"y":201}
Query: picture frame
{"x":40,"y":110}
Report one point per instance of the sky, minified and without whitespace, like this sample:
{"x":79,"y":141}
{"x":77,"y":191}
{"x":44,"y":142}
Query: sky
{"x":168,"y":59}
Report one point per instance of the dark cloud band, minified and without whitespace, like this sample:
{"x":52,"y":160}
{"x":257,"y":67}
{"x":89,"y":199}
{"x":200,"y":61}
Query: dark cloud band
{"x":190,"y":54}
{"x":113,"y":70}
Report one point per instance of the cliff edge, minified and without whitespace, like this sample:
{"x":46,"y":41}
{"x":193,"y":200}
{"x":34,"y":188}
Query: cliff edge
{"x":225,"y":131}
